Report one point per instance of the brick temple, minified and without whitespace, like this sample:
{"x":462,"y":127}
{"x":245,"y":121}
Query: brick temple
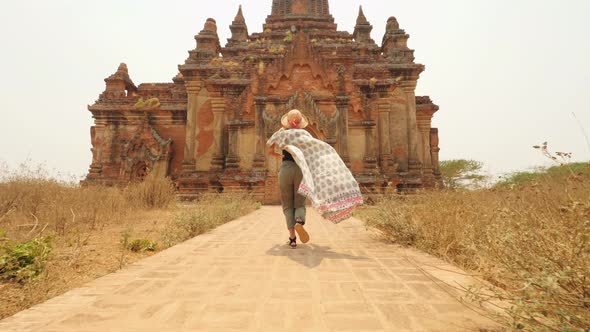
{"x":208,"y":127}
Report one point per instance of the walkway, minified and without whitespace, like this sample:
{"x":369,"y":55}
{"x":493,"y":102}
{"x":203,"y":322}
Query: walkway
{"x":243,"y":277}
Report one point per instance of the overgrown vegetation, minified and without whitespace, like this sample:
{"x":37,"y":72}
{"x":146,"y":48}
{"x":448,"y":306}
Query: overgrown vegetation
{"x":208,"y":212}
{"x":24,"y":261}
{"x":57,"y":235}
{"x":149,"y":104}
{"x":142,"y":245}
{"x":154,"y":192}
{"x":555,"y":173}
{"x":462,"y":173}
{"x":530,"y":240}
{"x":288,"y":37}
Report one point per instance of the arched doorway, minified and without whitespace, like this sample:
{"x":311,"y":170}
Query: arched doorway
{"x":321,"y":125}
{"x":140,"y":172}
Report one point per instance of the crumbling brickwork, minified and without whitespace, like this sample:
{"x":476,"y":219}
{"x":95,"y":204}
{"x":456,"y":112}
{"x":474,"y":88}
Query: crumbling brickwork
{"x":207,"y":128}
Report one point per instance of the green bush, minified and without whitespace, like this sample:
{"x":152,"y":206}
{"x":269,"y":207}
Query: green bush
{"x":24,"y":261}
{"x":288,"y":37}
{"x":462,"y":174}
{"x":142,"y":245}
{"x":555,"y":173}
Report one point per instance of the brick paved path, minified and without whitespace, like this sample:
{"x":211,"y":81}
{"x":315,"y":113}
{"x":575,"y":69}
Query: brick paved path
{"x":243,"y":277}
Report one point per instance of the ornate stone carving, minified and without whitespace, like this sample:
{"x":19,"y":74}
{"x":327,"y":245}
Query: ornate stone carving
{"x":311,"y":109}
{"x":272,"y":122}
{"x":362,"y":30}
{"x":300,"y":7}
{"x":226,"y":101}
{"x":144,"y":152}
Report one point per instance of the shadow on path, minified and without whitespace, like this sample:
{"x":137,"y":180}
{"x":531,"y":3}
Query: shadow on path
{"x":309,"y":255}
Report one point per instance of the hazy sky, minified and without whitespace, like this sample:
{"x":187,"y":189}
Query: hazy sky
{"x":507,"y":74}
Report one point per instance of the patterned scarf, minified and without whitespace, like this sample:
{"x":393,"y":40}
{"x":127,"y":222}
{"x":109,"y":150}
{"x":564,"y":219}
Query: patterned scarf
{"x":327,"y":182}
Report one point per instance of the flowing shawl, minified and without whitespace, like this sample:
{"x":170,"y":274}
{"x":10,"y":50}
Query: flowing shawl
{"x":327,"y":182}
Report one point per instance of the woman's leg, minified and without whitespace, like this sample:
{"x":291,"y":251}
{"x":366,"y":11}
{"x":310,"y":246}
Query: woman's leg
{"x":298,"y":199}
{"x":287,"y":195}
{"x":299,"y":207}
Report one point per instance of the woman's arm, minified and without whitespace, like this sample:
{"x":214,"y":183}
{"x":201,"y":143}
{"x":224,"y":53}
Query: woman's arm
{"x":271,"y":144}
{"x":271,"y":151}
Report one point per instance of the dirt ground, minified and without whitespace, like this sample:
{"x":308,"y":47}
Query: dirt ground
{"x":84,"y":255}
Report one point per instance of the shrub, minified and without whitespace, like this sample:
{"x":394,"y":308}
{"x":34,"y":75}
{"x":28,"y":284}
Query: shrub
{"x":142,"y":245}
{"x":55,"y":206}
{"x":554,"y":173}
{"x":151,"y":103}
{"x":277,"y":49}
{"x":462,"y":173}
{"x":396,"y":223}
{"x":153,"y":192}
{"x":288,"y":37}
{"x":24,"y":261}
{"x":208,"y":212}
{"x":531,"y":242}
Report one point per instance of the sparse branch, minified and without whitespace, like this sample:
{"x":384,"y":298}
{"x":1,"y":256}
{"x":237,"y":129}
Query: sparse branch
{"x":36,"y":223}
{"x":5,"y":214}
{"x":583,"y":131}
{"x":561,"y":158}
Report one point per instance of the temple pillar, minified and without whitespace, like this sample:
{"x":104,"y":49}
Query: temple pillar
{"x":424,"y":123}
{"x":434,"y":151}
{"x":193,"y":88}
{"x":232,"y":161}
{"x":414,"y":165}
{"x":111,"y":139}
{"x":96,"y":166}
{"x":385,"y":157}
{"x":398,"y":132}
{"x":370,"y":160}
{"x":218,"y":108}
{"x":342,"y":106}
{"x":260,"y":154}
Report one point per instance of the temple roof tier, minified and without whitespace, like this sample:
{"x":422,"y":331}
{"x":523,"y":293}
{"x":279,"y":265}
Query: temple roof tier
{"x":311,"y":8}
{"x":238,"y":29}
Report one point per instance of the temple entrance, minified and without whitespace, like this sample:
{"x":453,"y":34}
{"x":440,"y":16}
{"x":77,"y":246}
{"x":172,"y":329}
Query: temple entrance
{"x":319,"y":123}
{"x":140,"y":172}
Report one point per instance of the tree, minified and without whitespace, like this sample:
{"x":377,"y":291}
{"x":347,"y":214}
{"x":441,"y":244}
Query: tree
{"x":461,"y":173}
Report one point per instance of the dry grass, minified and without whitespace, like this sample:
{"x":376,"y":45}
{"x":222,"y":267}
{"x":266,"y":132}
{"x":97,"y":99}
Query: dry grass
{"x":530,"y":241}
{"x":56,"y":236}
{"x":82,"y":256}
{"x":208,"y":212}
{"x":154,"y":192}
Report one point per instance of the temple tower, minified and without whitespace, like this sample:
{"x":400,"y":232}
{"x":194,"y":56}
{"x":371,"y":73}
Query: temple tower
{"x":208,"y":127}
{"x":316,"y":8}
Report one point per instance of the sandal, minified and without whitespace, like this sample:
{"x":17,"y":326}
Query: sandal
{"x":303,"y":235}
{"x":293,"y":242}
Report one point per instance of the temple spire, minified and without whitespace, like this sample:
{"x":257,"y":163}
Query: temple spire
{"x":239,"y":29}
{"x":362,"y":30}
{"x":300,"y":7}
{"x":207,"y":39}
{"x":395,"y":43}
{"x":121,"y":78}
{"x":361,"y":19}
{"x":240,"y":16}
{"x":119,"y":85}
